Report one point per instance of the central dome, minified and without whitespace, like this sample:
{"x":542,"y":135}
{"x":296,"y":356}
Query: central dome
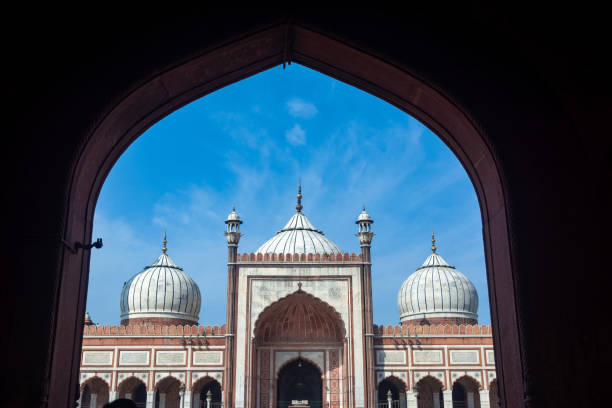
{"x":299,"y":236}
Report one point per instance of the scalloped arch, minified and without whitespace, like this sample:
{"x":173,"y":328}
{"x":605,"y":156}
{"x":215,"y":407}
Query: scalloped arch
{"x":169,"y":376}
{"x":430,"y":377}
{"x":202,"y":381}
{"x":299,"y":317}
{"x":394,"y":379}
{"x":130,"y":378}
{"x":291,"y":360}
{"x":93,"y":378}
{"x":469,"y":379}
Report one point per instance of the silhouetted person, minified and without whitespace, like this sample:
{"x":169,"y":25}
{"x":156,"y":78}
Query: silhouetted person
{"x":121,"y":403}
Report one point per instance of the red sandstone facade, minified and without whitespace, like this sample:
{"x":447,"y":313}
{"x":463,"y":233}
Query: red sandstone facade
{"x":298,"y":331}
{"x":417,"y":361}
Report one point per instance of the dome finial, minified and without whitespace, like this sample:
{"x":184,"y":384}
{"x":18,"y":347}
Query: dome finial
{"x":164,"y":249}
{"x":299,"y":207}
{"x":433,"y":242}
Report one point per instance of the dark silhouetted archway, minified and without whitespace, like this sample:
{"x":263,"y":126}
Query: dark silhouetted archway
{"x":299,"y":380}
{"x":157,"y":96}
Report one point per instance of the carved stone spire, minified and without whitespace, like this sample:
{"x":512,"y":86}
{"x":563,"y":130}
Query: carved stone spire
{"x":299,"y":207}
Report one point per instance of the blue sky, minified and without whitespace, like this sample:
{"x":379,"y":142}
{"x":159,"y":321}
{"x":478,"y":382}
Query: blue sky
{"x":249,"y":144}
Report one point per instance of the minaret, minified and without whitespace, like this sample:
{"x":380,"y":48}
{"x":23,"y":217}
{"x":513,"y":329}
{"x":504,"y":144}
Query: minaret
{"x":365,"y":234}
{"x":232,"y":235}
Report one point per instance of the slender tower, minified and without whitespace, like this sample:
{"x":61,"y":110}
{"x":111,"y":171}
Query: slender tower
{"x":232,"y":235}
{"x":365,"y":234}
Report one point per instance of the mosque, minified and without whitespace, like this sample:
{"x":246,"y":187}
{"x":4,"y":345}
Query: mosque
{"x":298,"y":333}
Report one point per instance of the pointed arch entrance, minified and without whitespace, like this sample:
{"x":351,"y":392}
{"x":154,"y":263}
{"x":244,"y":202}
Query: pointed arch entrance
{"x":219,"y":63}
{"x":301,"y":381}
{"x":298,"y":352}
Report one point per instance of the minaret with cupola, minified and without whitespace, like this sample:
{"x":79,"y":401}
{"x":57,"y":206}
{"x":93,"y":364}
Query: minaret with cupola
{"x":364,"y":233}
{"x":232,"y":235}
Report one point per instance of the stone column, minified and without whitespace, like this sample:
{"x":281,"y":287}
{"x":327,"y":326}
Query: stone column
{"x":448,"y":398}
{"x":162,"y":400}
{"x":187,"y":400}
{"x":112,"y":395}
{"x":411,"y":399}
{"x":484,"y":399}
{"x":436,"y":400}
{"x":150,"y":399}
{"x":93,"y":400}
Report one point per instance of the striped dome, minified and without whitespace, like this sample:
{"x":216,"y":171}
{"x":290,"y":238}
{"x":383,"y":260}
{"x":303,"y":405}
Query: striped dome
{"x":437,"y":291}
{"x":299,"y":236}
{"x":162,"y":293}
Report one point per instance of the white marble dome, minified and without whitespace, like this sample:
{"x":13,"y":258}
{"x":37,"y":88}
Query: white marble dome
{"x":299,"y":236}
{"x":437,"y":291}
{"x":162,"y":291}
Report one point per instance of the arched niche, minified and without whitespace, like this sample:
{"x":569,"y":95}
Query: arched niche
{"x":299,"y":380}
{"x":168,"y":393}
{"x":393,"y":384}
{"x":155,"y":96}
{"x":201,"y":387}
{"x":429,"y":390}
{"x":299,"y":318}
{"x":133,"y":388}
{"x":466,"y":393}
{"x":94,"y":393}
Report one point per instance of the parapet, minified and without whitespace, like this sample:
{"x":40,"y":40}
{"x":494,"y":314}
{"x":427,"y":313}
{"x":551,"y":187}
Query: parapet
{"x":433,"y":330}
{"x":153,"y":330}
{"x":315,"y":258}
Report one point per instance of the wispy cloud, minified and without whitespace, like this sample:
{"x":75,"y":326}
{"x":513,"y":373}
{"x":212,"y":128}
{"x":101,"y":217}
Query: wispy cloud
{"x":296,"y":136}
{"x":185,"y":207}
{"x":299,"y":108}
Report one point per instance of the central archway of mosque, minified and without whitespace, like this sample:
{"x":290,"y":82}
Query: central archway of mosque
{"x":299,"y":383}
{"x":299,"y":351}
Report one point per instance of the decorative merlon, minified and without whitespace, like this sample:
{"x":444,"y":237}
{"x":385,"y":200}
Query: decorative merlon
{"x":436,"y":329}
{"x":259,"y":257}
{"x":154,"y":330}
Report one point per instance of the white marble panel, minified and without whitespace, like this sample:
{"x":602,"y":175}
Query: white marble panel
{"x":464,"y":356}
{"x":207,"y":357}
{"x":390,"y":357}
{"x":490,"y":357}
{"x":97,"y":358}
{"x":133,"y":357}
{"x":170,"y":358}
{"x":427,"y":356}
